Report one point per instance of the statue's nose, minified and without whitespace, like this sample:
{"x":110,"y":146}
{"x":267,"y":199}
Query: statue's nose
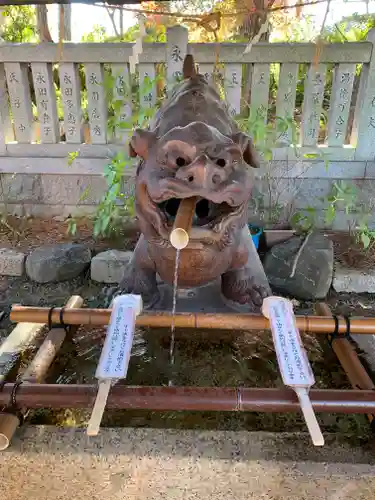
{"x":201,"y":174}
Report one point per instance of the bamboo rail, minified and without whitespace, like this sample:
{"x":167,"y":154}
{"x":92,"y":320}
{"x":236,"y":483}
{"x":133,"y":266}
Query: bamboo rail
{"x":36,"y":372}
{"x":189,"y":398}
{"x":348,"y":358}
{"x":230,"y":321}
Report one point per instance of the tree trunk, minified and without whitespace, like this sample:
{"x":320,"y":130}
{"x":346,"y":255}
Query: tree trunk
{"x":42,"y":24}
{"x":112,"y":13}
{"x":252,"y":22}
{"x":66,"y":29}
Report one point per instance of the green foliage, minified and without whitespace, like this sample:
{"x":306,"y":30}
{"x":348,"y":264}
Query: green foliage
{"x":350,"y":29}
{"x":343,"y":196}
{"x":115,"y":205}
{"x":154,"y":33}
{"x":20,"y":24}
{"x":71,"y":157}
{"x":363,"y":234}
{"x":98,"y":34}
{"x":267,"y":136}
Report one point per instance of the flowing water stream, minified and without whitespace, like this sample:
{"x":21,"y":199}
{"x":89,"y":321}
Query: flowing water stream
{"x":175,"y":283}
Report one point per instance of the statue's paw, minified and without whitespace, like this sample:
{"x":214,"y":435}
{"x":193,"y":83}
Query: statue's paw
{"x":244,"y":290}
{"x":254,"y":296}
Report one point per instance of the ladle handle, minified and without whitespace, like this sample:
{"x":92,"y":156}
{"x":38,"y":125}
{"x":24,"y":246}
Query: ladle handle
{"x":179,"y":236}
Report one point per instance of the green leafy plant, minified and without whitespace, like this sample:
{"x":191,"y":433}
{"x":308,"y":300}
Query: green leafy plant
{"x":115,"y":204}
{"x":363,"y":234}
{"x":342,"y":194}
{"x":71,"y":157}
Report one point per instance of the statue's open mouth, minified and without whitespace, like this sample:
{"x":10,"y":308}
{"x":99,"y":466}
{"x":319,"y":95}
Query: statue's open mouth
{"x":207,"y":213}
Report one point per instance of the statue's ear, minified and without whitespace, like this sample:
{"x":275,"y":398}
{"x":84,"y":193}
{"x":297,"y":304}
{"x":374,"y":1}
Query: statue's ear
{"x":140,"y":143}
{"x":247,"y":147}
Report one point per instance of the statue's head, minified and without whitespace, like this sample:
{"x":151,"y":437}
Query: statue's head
{"x":195,"y":160}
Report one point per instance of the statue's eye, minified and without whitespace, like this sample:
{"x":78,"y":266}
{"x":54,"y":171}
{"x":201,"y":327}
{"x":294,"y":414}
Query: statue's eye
{"x":221,"y":162}
{"x":181,"y":162}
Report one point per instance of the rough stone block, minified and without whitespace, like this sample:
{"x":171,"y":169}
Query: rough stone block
{"x":12,"y":263}
{"x":353,"y":280}
{"x":109,"y":266}
{"x":313,"y":275}
{"x":57,"y":262}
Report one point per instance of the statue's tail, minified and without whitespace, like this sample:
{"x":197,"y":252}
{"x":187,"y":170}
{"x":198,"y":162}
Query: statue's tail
{"x":189,"y":70}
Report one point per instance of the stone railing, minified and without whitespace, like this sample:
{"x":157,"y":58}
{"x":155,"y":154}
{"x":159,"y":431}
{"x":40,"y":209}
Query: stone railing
{"x":36,"y":144}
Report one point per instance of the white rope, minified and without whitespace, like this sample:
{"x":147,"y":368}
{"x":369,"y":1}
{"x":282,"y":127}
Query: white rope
{"x":138,"y":46}
{"x":256,"y":38}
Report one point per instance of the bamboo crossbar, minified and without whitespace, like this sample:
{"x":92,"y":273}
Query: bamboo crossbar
{"x":189,"y":398}
{"x":229,"y":321}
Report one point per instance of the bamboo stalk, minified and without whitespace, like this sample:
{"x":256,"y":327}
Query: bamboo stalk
{"x":349,"y":360}
{"x":190,"y":398}
{"x":9,"y":424}
{"x":20,"y":337}
{"x":228,"y":321}
{"x":179,"y":236}
{"x":36,"y":372}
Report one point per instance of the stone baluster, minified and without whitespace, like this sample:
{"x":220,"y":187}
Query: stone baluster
{"x":45,"y":97}
{"x":207,"y":70}
{"x":96,"y":103}
{"x":20,"y":100}
{"x":177,"y":44}
{"x":312,"y":104}
{"x":260,"y":89}
{"x":122,"y":94}
{"x":147,"y":85}
{"x":286,"y":97}
{"x":341,"y":94}
{"x":233,"y":86}
{"x":6,"y":127}
{"x":364,"y":122}
{"x":71,"y":101}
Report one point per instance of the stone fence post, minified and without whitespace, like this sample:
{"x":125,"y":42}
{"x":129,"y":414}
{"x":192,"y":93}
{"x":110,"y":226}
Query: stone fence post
{"x":364,"y":122}
{"x":177,"y":47}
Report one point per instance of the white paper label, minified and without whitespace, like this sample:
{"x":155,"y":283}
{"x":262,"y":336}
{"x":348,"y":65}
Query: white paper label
{"x":115,"y":356}
{"x":292,"y":359}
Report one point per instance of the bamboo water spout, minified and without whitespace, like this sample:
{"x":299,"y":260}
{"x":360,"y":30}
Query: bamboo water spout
{"x":179,"y":236}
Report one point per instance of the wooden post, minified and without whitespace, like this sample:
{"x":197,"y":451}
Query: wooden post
{"x":20,"y":100}
{"x":45,"y":96}
{"x":233,"y":86}
{"x":36,"y":372}
{"x":71,"y":100}
{"x":97,"y":107}
{"x":260,"y":89}
{"x":286,"y":97}
{"x":177,"y":44}
{"x":364,"y":120}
